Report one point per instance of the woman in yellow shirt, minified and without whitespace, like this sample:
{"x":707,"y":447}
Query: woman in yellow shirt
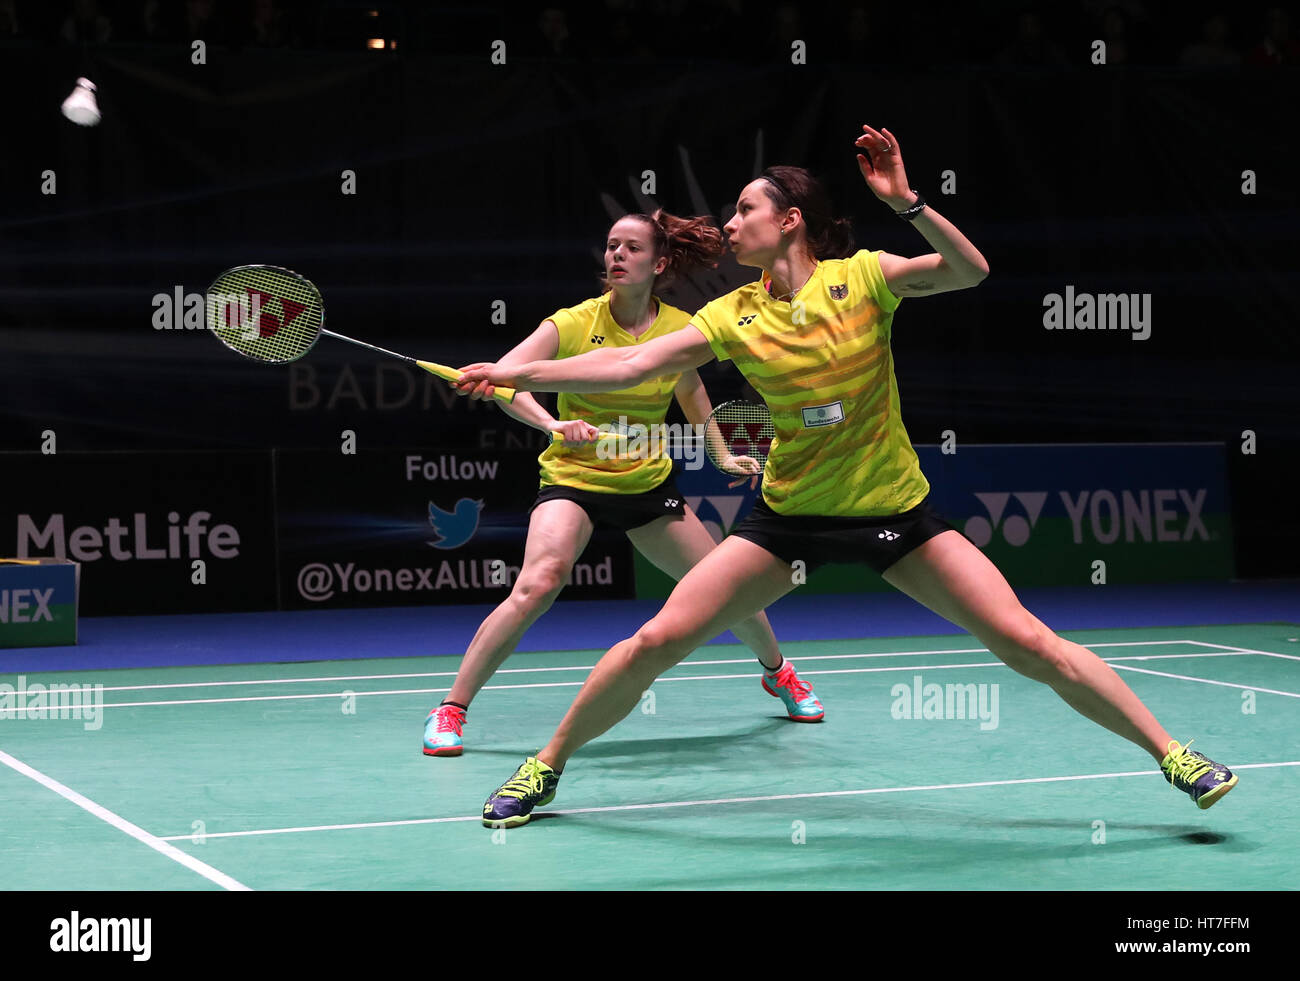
{"x":842,"y":481}
{"x":583,"y":484}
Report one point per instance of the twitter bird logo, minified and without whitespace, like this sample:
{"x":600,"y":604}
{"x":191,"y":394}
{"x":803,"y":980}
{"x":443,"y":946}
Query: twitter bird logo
{"x":456,"y":527}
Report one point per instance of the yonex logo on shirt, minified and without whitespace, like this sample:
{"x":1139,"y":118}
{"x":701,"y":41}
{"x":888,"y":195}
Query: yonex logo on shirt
{"x":597,"y":339}
{"x":743,"y":321}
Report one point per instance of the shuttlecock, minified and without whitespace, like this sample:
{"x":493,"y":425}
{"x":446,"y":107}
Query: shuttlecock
{"x":80,"y":106}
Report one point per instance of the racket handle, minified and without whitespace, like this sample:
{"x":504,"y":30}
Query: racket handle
{"x":502,"y":394}
{"x":558,"y":438}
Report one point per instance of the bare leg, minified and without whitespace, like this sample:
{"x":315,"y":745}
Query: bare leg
{"x":675,"y":546}
{"x":557,"y":533}
{"x":731,"y":583}
{"x":956,"y":580}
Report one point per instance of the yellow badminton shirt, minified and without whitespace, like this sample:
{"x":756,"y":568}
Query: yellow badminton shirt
{"x":591,"y":327}
{"x":822,"y":364}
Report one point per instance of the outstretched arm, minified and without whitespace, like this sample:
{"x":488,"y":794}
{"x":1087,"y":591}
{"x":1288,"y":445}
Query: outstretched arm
{"x":596,"y":371}
{"x":541,"y":345}
{"x":956,"y":264}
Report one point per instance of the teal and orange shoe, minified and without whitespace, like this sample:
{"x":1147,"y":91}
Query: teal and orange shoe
{"x":800,"y":702}
{"x":1198,"y":776}
{"x":511,"y":804}
{"x":442,"y":731}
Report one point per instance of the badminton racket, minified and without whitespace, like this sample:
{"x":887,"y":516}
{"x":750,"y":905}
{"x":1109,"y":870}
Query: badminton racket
{"x":274,"y":315}
{"x":738,"y":438}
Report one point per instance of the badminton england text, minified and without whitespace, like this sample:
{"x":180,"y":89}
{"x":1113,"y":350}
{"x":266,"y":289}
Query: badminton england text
{"x":75,"y":935}
{"x":59,"y":701}
{"x":85,"y":544}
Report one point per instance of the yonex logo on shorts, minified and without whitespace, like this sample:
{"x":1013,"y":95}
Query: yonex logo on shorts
{"x":823,"y":415}
{"x":888,"y":535}
{"x":672,"y":502}
{"x":743,"y":321}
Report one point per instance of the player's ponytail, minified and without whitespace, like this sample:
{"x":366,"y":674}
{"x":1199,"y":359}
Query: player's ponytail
{"x":689,"y":243}
{"x":793,"y":187}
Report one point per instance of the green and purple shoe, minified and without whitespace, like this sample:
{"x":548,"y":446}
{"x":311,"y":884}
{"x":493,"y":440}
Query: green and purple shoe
{"x":511,"y":804}
{"x":1196,"y":775}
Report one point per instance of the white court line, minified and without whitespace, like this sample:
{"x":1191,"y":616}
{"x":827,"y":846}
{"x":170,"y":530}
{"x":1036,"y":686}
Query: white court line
{"x":1245,"y":650}
{"x":721,"y":800}
{"x":1210,"y":681}
{"x":588,"y":667}
{"x":122,"y":824}
{"x":576,"y":684}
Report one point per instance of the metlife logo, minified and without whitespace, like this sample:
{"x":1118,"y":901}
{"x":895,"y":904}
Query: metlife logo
{"x":142,"y":536}
{"x":152,"y":533}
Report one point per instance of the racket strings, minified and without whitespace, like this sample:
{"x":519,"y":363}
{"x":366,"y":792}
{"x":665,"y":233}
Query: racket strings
{"x":746,"y":430}
{"x":265,"y":313}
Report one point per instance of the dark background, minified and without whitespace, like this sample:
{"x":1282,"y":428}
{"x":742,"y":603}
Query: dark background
{"x":479,"y":182}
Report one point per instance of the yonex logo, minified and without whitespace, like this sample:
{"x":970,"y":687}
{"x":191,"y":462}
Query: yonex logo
{"x":597,"y":339}
{"x":717,"y":512}
{"x":744,"y":321}
{"x":267,"y":323}
{"x":1016,"y":528}
{"x":672,"y":502}
{"x":1143,"y":515}
{"x":889,"y":536}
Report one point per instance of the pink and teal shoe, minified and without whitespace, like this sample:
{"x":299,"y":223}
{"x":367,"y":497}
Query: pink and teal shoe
{"x":442,"y":731}
{"x":800,"y":702}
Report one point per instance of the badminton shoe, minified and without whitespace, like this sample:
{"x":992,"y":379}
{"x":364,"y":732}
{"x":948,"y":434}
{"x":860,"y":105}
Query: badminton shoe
{"x":1197,"y":776}
{"x":511,"y":804}
{"x":442,"y":731}
{"x":800,"y":702}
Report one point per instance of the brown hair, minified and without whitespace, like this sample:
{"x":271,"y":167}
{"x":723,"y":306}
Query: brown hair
{"x":689,"y":244}
{"x":793,"y":187}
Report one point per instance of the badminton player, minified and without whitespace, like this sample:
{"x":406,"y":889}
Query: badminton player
{"x":813,"y":334}
{"x":583,"y":487}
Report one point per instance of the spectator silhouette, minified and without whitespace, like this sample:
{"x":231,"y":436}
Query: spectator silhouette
{"x":1213,"y":50}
